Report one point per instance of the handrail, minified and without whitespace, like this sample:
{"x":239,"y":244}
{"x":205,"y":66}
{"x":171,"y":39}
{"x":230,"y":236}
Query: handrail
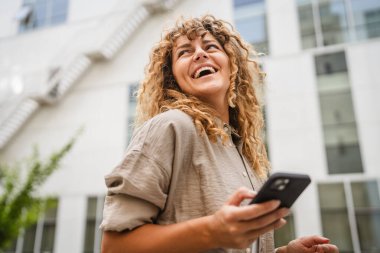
{"x":67,"y":76}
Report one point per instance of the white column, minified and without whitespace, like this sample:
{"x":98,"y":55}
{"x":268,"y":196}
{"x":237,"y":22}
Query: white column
{"x":70,"y":228}
{"x":307,"y":216}
{"x":283,"y":27}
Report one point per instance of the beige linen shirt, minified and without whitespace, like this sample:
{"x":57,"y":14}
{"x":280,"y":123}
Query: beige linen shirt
{"x":171,"y":173}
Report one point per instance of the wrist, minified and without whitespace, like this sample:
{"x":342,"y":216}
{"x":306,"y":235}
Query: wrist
{"x":203,"y":229}
{"x":209,"y":232}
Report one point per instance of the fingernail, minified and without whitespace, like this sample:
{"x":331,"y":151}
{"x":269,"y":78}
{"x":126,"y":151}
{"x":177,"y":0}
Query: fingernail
{"x":252,"y":192}
{"x":277,"y":203}
{"x":285,"y":211}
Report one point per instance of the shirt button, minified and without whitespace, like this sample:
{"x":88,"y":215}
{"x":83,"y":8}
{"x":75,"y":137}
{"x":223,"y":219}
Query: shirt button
{"x":245,"y":174}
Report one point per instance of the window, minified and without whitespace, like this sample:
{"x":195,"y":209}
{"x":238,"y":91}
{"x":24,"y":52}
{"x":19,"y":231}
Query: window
{"x":11,"y":248}
{"x":326,"y":22}
{"x":285,"y":234}
{"x":367,"y":213}
{"x":350,"y":213}
{"x":333,"y":22}
{"x":94,"y":216}
{"x":265,"y":130}
{"x":250,"y":21}
{"x":334,"y":214}
{"x":40,"y":13}
{"x":40,"y":237}
{"x":305,"y":14}
{"x":337,"y":113}
{"x":132,"y":103}
{"x":367,"y":18}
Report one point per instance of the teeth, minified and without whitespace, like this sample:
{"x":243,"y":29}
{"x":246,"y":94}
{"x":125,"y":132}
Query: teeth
{"x":198,"y":72}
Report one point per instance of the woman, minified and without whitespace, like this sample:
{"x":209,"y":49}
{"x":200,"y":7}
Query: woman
{"x":199,"y":141}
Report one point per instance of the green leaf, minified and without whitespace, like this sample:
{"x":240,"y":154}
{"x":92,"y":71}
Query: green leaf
{"x":19,"y":207}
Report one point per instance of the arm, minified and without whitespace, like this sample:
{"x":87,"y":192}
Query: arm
{"x":233,"y":226}
{"x":189,"y":236}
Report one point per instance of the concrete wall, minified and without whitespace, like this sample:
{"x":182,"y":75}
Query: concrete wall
{"x":363,"y":64}
{"x":98,"y":102}
{"x":294,"y":128}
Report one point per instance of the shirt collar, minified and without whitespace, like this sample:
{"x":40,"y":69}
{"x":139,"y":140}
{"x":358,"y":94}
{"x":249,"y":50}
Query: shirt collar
{"x":228,"y":129}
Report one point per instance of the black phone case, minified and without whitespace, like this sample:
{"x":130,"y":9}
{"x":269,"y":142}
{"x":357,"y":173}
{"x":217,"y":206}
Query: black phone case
{"x":295,"y":185}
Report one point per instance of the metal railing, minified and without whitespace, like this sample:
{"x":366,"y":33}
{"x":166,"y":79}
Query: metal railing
{"x":23,"y":107}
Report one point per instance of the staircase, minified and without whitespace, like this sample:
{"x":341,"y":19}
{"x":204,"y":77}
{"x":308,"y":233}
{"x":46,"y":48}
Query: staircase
{"x":22,"y":108}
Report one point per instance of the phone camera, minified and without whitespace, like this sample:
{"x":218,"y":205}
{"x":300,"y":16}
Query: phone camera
{"x":280,"y":184}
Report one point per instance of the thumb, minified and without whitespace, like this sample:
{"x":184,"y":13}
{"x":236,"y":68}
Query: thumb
{"x":310,"y":241}
{"x":239,"y":195}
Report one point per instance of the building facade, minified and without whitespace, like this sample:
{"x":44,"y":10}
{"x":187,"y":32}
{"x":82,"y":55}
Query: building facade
{"x":70,"y":64}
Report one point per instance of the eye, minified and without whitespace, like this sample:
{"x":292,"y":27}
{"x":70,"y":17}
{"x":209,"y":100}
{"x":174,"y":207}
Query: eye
{"x":182,"y":52}
{"x":211,"y":46}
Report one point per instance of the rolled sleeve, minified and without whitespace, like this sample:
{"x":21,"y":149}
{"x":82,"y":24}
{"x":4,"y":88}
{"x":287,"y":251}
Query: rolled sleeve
{"x":123,"y":212}
{"x":137,"y":192}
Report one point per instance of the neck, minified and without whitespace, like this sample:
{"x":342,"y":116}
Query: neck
{"x":222,"y":111}
{"x":224,"y":115}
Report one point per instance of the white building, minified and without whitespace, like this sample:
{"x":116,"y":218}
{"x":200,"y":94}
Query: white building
{"x":67,"y":64}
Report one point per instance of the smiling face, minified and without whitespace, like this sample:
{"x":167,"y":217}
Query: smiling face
{"x":201,"y":68}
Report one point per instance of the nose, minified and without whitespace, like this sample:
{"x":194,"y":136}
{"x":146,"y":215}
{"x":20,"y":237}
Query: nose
{"x":200,"y":54}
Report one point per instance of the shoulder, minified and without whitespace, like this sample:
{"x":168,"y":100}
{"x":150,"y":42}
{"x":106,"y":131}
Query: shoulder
{"x":171,"y":120}
{"x":164,"y":127}
{"x":173,"y":116}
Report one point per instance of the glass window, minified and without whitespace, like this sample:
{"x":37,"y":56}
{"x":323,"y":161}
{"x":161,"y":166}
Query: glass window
{"x":92,"y":234}
{"x":265,"y":138}
{"x":29,"y":239}
{"x":132,"y":104}
{"x":250,"y":21}
{"x":331,"y":63}
{"x":306,"y":21}
{"x":253,"y":30}
{"x":44,"y":231}
{"x":245,"y":2}
{"x":367,"y":18}
{"x":12,"y":247}
{"x":44,"y":13}
{"x":337,"y":109}
{"x":367,"y":213}
{"x":337,"y":114}
{"x":334,"y":215}
{"x":90,"y":225}
{"x":285,"y":234}
{"x":48,"y":232}
{"x":333,"y":21}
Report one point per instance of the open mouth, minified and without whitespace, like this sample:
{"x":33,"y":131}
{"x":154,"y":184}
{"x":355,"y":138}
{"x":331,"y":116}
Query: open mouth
{"x":204,"y":71}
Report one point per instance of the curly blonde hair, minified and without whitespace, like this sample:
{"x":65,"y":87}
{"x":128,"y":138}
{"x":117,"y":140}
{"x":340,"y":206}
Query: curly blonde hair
{"x":160,"y":92}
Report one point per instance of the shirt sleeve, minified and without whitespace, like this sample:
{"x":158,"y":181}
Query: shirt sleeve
{"x":137,"y":191}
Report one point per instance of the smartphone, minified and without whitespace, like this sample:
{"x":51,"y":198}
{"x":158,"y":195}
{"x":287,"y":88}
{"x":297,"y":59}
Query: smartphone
{"x":286,"y":187}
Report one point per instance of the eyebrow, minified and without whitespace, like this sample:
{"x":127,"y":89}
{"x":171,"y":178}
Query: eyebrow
{"x":208,"y":41}
{"x":187,"y":45}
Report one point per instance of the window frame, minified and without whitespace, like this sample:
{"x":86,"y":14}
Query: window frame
{"x":346,"y":181}
{"x":98,"y":219}
{"x":48,"y":15}
{"x":39,"y":226}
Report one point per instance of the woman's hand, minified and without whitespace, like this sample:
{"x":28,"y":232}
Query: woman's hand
{"x":309,"y":244}
{"x":235,"y":226}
